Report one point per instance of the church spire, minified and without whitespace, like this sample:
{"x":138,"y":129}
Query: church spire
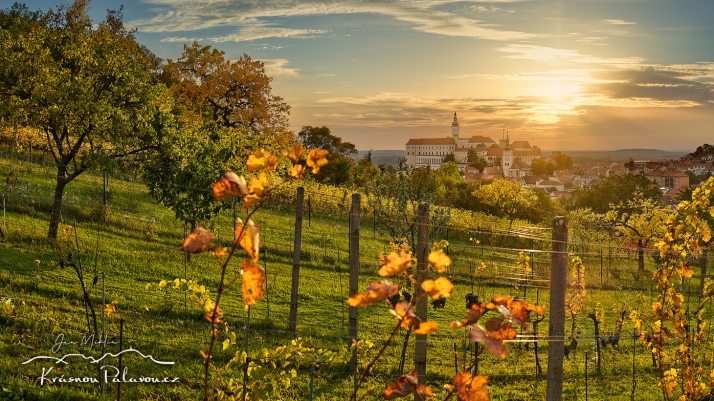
{"x":455,"y":123}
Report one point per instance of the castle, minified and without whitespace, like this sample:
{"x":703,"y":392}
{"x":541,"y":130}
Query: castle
{"x":514,"y":159}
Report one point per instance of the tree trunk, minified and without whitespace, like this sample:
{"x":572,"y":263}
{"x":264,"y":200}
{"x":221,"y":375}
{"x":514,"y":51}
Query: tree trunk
{"x":640,"y":255}
{"x":57,"y":202}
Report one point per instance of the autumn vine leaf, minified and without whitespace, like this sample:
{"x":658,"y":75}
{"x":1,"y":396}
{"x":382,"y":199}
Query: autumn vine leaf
{"x":406,"y":385}
{"x":316,"y":158}
{"x":262,"y":160}
{"x":257,"y":190}
{"x":376,"y":292}
{"x":253,"y":282}
{"x":394,"y":263}
{"x":439,"y":260}
{"x":404,"y":313}
{"x":230,"y":186}
{"x":296,"y":153}
{"x":199,"y":240}
{"x":471,"y":388}
{"x":440,"y":287}
{"x":248,"y":236}
{"x":297,"y":171}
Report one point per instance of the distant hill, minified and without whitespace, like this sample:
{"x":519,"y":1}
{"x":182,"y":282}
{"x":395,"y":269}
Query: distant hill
{"x":387,"y":157}
{"x":590,"y":156}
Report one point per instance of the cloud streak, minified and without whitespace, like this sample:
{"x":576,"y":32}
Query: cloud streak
{"x":183,"y":15}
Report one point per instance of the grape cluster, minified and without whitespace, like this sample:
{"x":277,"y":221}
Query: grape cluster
{"x":439,"y":303}
{"x":471,"y":299}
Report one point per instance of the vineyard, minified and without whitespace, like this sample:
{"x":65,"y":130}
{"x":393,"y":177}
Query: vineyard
{"x":128,"y":248}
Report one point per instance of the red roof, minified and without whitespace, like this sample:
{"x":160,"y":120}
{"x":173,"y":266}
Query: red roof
{"x":431,"y":141}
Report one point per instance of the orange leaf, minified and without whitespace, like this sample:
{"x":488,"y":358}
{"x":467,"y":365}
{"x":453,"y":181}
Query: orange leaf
{"x":229,"y":186}
{"x":393,"y":263}
{"x":297,"y":171}
{"x":426,"y":327}
{"x":218,"y":252}
{"x":404,"y":312}
{"x":253,"y":281}
{"x":473,"y":314}
{"x":296,"y":154}
{"x":257,"y":189}
{"x":248,"y":236}
{"x":471,"y":388}
{"x":521,"y":312}
{"x":403,"y":386}
{"x":262,"y":159}
{"x":376,"y":292}
{"x":441,"y":286}
{"x":316,"y":159}
{"x":199,"y":240}
{"x":425,"y":391}
{"x":109,"y":309}
{"x":439,"y":260}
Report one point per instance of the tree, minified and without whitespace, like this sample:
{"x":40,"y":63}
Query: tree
{"x":475,"y":161}
{"x":365,"y":171}
{"x":337,"y":171}
{"x":450,"y":158}
{"x":693,"y":178}
{"x":563,"y":162}
{"x":506,"y":197}
{"x":639,"y":219}
{"x":89,"y":88}
{"x":231,"y":93}
{"x":613,"y":190}
{"x":539,"y":167}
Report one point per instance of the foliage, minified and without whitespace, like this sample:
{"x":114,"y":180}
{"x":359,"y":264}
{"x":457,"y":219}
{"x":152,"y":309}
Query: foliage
{"x":88,"y":87}
{"x":364,"y":172}
{"x":680,"y":369}
{"x":337,"y":171}
{"x":231,"y":93}
{"x":541,"y":167}
{"x":506,"y":197}
{"x":639,"y":219}
{"x":613,"y":190}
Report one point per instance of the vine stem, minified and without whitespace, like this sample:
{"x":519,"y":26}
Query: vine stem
{"x":221,"y":289}
{"x":373,"y":361}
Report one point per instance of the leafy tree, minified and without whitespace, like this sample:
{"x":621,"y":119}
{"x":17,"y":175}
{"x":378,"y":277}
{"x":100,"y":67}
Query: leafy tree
{"x":693,"y":178}
{"x":506,"y":197}
{"x":613,"y":190}
{"x":450,"y":158}
{"x":232,"y":93}
{"x":337,"y":171}
{"x":639,"y":219}
{"x":88,"y":87}
{"x":365,"y":171}
{"x":475,"y":161}
{"x":563,"y":162}
{"x":540,"y":167}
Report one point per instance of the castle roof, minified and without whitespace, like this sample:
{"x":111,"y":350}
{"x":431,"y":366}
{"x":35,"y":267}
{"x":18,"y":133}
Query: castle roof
{"x":481,"y":139}
{"x":431,"y":141}
{"x":520,"y":144}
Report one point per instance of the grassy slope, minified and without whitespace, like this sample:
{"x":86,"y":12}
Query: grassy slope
{"x":139,"y":246}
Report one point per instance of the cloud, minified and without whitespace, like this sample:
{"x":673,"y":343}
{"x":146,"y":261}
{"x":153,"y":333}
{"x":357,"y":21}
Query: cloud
{"x":619,"y":22}
{"x":255,"y":33}
{"x":551,"y":54}
{"x":276,"y":67}
{"x":184,"y":15}
{"x":490,"y":9}
{"x":172,"y":39}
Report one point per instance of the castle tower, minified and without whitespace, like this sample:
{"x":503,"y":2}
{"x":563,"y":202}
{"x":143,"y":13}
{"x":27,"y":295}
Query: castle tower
{"x":455,"y":130}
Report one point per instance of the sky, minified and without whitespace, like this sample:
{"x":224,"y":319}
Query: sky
{"x":563,"y":75}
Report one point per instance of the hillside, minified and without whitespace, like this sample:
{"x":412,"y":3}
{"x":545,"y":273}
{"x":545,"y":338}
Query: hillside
{"x":388,"y":157}
{"x":589,"y":156}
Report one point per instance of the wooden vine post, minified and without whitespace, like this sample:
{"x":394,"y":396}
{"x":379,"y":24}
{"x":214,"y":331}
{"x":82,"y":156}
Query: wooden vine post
{"x":421,"y":306}
{"x":296,"y":259}
{"x":556,"y":326}
{"x":352,"y":327}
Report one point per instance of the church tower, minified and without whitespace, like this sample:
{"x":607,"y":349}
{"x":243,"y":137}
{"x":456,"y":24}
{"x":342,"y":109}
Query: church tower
{"x":455,"y":131}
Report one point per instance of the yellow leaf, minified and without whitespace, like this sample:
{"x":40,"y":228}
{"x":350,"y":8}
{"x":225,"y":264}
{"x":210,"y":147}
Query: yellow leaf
{"x":394,"y":263}
{"x":439,"y":260}
{"x":376,"y":292}
{"x":426,"y":327}
{"x":316,"y":158}
{"x":262,"y":159}
{"x":440,"y":287}
{"x":253,"y":282}
{"x":248,"y":236}
{"x":226,"y":344}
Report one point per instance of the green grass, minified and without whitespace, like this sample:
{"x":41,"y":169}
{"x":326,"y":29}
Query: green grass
{"x":139,"y":245}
